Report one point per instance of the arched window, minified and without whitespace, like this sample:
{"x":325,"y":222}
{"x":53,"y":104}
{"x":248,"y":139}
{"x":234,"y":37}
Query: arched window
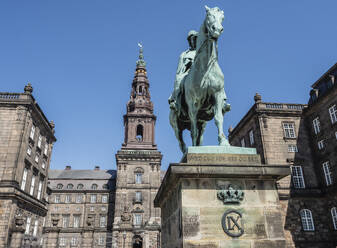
{"x":59,"y":186}
{"x":140,"y":90}
{"x":80,"y":186}
{"x":334,"y":217}
{"x":307,"y":221}
{"x":70,"y":186}
{"x":105,"y":186}
{"x":139,"y":175}
{"x":139,"y":133}
{"x":94,"y":186}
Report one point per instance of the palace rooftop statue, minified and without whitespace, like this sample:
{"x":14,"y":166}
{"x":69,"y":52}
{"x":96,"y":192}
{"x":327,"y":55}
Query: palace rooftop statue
{"x":199,"y":94}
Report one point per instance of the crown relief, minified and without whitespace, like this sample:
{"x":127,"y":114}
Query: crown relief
{"x":230,"y":195}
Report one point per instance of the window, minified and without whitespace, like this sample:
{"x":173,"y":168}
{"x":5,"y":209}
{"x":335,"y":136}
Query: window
{"x":43,"y":165}
{"x":251,"y":137}
{"x":45,"y":152}
{"x":57,"y":198}
{"x":80,"y":186}
{"x":139,"y":133}
{"x":327,"y":173}
{"x":32,"y":132}
{"x":289,"y":130}
{"x":79,"y":198}
{"x":138,"y":178}
{"x":36,"y":225}
{"x":138,"y":196}
{"x":32,"y":185}
{"x":65,"y":221}
{"x":333,"y":114}
{"x":39,"y":190}
{"x":297,"y":177}
{"x":36,"y":158}
{"x":104,"y":198}
{"x":92,"y":209}
{"x":334,"y":217}
{"x":137,"y":219}
{"x":24,"y":178}
{"x":70,"y":186}
{"x":63,"y":241}
{"x":102,"y":221}
{"x":74,"y":241}
{"x":317,"y":125}
{"x":29,"y":219}
{"x":307,"y":221}
{"x":101,"y":240}
{"x":94,"y":186}
{"x":59,"y":186}
{"x":105,"y":186}
{"x":29,"y":151}
{"x":320,"y":144}
{"x":39,"y":142}
{"x":76,"y":221}
{"x":103,"y":209}
{"x":68,"y":199}
{"x":93,"y":198}
{"x":292,"y":148}
{"x":243,"y":142}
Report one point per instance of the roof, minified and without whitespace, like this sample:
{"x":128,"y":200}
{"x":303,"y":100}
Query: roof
{"x":332,"y":68}
{"x":82,"y":174}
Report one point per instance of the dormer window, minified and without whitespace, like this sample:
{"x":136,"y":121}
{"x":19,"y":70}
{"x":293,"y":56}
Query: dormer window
{"x":139,"y":133}
{"x":94,"y":186}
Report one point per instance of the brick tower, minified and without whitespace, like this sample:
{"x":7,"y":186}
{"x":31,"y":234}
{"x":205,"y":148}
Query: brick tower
{"x":136,"y":221}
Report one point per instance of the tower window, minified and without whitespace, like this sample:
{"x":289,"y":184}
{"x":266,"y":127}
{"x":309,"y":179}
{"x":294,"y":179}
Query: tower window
{"x":140,"y":90}
{"x":139,"y":132}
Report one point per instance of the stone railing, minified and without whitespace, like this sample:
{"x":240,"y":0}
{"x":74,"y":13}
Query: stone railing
{"x":13,"y":96}
{"x":281,"y":106}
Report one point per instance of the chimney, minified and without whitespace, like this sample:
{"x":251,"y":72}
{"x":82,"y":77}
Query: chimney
{"x":68,"y":167}
{"x":96,"y":168}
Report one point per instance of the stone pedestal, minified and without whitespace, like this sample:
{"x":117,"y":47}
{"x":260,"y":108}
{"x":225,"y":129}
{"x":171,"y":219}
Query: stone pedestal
{"x":215,"y":199}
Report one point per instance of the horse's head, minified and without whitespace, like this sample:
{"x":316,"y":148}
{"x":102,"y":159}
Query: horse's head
{"x":214,"y":18}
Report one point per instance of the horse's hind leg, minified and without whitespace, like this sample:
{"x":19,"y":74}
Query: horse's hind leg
{"x":201,"y":128}
{"x":218,"y":118}
{"x":192,"y":112}
{"x":182,"y":144}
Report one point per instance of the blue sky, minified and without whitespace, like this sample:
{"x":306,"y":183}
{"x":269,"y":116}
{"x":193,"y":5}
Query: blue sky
{"x":80,"y":57}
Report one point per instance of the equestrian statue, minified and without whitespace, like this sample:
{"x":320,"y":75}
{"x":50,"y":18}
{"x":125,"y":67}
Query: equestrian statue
{"x":199,"y":94}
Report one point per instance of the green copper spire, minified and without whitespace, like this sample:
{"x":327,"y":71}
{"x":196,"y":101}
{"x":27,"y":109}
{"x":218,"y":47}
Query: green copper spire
{"x":141,"y":61}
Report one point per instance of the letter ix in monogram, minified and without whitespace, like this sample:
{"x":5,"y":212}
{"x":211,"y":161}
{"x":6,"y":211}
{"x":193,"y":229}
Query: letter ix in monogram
{"x":232,"y":223}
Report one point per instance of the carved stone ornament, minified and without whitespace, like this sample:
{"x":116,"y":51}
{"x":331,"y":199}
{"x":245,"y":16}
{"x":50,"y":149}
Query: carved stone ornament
{"x":230,"y":195}
{"x":126,"y":216}
{"x":90,"y":220}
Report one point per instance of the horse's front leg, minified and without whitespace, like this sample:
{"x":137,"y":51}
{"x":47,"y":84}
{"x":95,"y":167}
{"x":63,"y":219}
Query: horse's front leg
{"x":178,"y":132}
{"x":192,"y":113}
{"x":218,"y":118}
{"x":201,"y":128}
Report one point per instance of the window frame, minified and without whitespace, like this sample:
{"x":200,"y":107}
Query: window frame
{"x":316,"y":125}
{"x":32,"y":185}
{"x":243,"y":142}
{"x":24,"y":178}
{"x":333,"y":212}
{"x":289,"y":131}
{"x":39,"y":190}
{"x":39,"y":141}
{"x":297,"y":177}
{"x":333,"y":114}
{"x":67,"y":198}
{"x":102,"y":221}
{"x":76,"y":220}
{"x":307,"y":220}
{"x":28,"y":222}
{"x":327,"y":173}
{"x":93,"y":196}
{"x":138,"y":219}
{"x":32,"y":132}
{"x":35,"y":228}
{"x":320,"y":144}
{"x":106,"y":198}
{"x":251,"y":137}
{"x":292,"y":148}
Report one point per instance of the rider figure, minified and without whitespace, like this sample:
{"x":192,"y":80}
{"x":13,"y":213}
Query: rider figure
{"x":185,"y":62}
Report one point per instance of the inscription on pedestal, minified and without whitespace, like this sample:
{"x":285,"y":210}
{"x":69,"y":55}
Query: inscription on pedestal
{"x":235,"y":159}
{"x":191,"y":225}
